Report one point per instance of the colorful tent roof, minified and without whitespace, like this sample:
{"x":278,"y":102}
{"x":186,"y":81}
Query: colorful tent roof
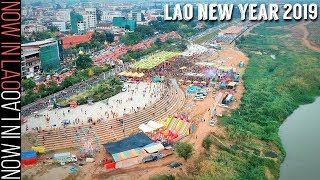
{"x":128,"y":154}
{"x":28,"y":154}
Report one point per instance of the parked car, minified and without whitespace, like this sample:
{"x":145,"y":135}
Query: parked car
{"x":199,"y":97}
{"x":175,"y":164}
{"x":124,"y":89}
{"x":152,"y":157}
{"x":212,"y":123}
{"x":204,"y":92}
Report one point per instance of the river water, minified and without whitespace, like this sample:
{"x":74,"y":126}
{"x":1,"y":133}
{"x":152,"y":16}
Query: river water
{"x":300,"y":135}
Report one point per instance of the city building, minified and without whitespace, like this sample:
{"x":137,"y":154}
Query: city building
{"x":83,"y":20}
{"x":60,"y":25}
{"x":104,"y":26}
{"x":63,"y":15}
{"x":137,"y":16}
{"x":40,"y":55}
{"x":124,"y":23}
{"x":109,"y":15}
{"x":27,"y":29}
{"x":90,"y":17}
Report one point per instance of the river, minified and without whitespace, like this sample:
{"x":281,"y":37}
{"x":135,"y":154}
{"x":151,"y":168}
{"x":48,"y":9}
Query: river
{"x":300,"y":135}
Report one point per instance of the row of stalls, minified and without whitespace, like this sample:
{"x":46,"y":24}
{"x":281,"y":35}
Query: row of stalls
{"x":131,"y":76}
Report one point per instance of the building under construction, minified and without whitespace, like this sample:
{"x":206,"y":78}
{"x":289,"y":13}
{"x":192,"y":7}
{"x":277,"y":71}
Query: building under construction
{"x":40,"y":56}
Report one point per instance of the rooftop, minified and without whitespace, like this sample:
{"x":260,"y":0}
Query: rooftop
{"x":39,"y":43}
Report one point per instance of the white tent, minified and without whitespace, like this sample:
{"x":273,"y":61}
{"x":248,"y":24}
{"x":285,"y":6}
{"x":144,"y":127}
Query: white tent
{"x":154,"y":147}
{"x":154,"y":125}
{"x":145,"y":128}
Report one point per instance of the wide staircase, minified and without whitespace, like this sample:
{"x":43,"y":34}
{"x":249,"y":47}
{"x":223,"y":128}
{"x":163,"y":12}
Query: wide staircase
{"x":171,"y":102}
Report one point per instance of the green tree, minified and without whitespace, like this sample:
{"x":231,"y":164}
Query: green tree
{"x":42,"y":88}
{"x":109,"y":37}
{"x":39,"y":36}
{"x":207,"y":141}
{"x":100,"y":37}
{"x":83,"y":62}
{"x":158,"y":42}
{"x":90,"y":72}
{"x":144,"y":31}
{"x":28,"y":84}
{"x":52,"y":87}
{"x":184,"y":150}
{"x":24,"y":39}
{"x":53,"y":28}
{"x":131,"y":38}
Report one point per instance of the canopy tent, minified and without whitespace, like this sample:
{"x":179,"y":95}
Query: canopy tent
{"x":145,"y":128}
{"x":140,"y":75}
{"x":123,"y":73}
{"x":232,"y":84}
{"x":136,"y":141}
{"x":225,"y":68}
{"x":135,"y":74}
{"x":154,"y":125}
{"x":153,"y":147}
{"x":156,"y":79}
{"x":73,"y":104}
{"x":62,"y":156}
{"x":129,"y":74}
{"x":28,"y":154}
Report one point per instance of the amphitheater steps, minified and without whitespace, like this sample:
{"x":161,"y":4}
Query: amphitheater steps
{"x":58,"y":140}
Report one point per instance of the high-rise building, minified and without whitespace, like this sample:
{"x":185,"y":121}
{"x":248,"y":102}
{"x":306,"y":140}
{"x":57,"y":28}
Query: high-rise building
{"x":90,"y":17}
{"x":77,"y":24}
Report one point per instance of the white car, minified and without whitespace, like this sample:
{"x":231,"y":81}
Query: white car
{"x":212,"y":123}
{"x":199,"y":98}
{"x":124,"y":89}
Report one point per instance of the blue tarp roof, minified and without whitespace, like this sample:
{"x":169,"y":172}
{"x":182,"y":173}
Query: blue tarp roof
{"x":136,"y":141}
{"x":28,"y":154}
